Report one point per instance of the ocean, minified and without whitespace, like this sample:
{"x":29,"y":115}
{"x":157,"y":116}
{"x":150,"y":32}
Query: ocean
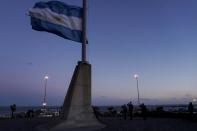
{"x":5,"y":110}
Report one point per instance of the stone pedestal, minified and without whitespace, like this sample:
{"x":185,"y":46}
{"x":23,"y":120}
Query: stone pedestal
{"x":77,"y":113}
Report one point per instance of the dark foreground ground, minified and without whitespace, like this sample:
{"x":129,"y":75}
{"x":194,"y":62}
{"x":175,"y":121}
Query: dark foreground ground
{"x":113,"y":124}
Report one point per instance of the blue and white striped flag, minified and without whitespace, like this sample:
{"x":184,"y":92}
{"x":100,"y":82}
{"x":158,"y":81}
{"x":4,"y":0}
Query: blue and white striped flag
{"x":58,"y":18}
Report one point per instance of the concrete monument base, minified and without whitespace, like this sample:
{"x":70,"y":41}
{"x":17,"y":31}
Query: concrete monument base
{"x":77,"y":113}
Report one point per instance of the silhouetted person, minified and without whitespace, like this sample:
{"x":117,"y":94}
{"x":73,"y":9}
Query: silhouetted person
{"x":190,"y":109}
{"x":130,"y":107}
{"x":124,"y":111}
{"x":96,"y":111}
{"x":143,"y":111}
{"x":110,"y":110}
{"x":13,"y":109}
{"x":30,"y":114}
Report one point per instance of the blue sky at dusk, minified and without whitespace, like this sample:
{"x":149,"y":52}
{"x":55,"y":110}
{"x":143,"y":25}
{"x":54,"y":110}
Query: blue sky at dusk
{"x":156,"y":39}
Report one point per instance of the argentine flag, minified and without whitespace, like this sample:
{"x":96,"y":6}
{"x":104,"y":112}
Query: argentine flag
{"x":58,"y":18}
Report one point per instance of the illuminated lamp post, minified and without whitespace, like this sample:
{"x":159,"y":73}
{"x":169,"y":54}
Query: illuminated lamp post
{"x":136,"y":76}
{"x":45,"y":89}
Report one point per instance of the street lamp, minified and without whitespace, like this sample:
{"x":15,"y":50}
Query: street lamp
{"x":45,"y":89}
{"x":136,"y":76}
{"x":194,"y":101}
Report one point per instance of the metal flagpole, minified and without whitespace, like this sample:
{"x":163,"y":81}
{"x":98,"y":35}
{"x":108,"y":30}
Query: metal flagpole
{"x":84,"y":39}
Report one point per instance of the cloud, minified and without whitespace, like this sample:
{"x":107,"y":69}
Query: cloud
{"x":29,"y":64}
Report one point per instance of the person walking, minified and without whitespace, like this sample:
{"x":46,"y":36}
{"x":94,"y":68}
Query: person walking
{"x":143,"y":111}
{"x":13,"y":109}
{"x":124,"y":111}
{"x":130,"y":107}
{"x":190,"y":109}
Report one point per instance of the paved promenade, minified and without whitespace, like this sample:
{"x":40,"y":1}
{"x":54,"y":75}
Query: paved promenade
{"x":113,"y":124}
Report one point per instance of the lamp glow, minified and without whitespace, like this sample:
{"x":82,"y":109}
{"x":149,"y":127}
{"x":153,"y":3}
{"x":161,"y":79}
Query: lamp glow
{"x":136,"y":76}
{"x":46,"y":77}
{"x":194,"y":100}
{"x":44,"y":103}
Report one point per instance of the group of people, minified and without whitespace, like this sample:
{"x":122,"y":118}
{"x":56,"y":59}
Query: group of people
{"x":125,"y":110}
{"x":128,"y":109}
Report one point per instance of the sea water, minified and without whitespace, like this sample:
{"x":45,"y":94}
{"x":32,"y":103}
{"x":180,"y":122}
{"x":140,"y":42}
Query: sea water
{"x":5,"y":110}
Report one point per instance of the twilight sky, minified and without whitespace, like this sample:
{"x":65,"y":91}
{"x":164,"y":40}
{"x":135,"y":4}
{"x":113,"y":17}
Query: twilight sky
{"x":156,"y":39}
